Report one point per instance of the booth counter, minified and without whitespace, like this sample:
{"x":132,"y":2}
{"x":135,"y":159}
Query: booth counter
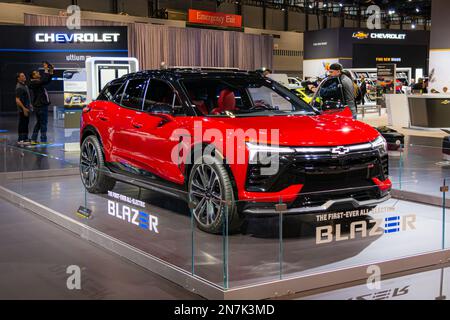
{"x":428,"y":111}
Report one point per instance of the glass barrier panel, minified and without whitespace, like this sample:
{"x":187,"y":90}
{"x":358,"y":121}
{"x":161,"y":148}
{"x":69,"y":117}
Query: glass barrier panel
{"x":157,"y":223}
{"x":133,"y":211}
{"x":254,"y":249}
{"x":322,"y":229}
{"x":421,"y":165}
{"x":445,"y":206}
{"x":212,"y":219}
{"x":342,"y":236}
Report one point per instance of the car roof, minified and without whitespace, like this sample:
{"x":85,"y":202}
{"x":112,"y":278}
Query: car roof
{"x":190,"y":73}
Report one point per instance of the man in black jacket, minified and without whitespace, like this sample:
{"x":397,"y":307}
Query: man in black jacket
{"x":41,"y":101}
{"x":24,"y":106}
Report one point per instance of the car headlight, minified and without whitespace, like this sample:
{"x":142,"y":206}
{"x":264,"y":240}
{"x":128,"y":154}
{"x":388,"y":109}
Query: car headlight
{"x":381,"y":144}
{"x":265,"y":151}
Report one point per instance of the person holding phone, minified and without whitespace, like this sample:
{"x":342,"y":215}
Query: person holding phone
{"x":41,"y":101}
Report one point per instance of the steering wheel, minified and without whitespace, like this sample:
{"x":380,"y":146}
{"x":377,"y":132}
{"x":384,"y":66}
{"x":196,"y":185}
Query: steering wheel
{"x":261,"y":104}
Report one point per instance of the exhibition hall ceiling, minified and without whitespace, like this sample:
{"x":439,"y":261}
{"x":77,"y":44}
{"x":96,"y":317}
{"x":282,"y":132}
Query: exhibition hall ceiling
{"x":393,"y":11}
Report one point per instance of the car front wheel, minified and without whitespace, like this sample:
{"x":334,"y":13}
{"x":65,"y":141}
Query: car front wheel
{"x":212,"y":198}
{"x":92,"y":167}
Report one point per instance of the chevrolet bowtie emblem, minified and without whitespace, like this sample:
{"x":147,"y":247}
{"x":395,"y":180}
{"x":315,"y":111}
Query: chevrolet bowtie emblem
{"x":445,"y":102}
{"x":360,"y":35}
{"x":340,"y":151}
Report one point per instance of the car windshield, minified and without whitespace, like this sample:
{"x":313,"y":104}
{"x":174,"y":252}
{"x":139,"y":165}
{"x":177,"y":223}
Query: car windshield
{"x":250,"y":96}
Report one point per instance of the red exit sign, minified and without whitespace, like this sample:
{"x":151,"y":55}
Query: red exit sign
{"x":215,"y":19}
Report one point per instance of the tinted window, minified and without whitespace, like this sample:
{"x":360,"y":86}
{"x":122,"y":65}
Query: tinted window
{"x":134,"y":93}
{"x":119,"y":94}
{"x":109,"y":91}
{"x":246,"y":96}
{"x":330,"y":95}
{"x":159,"y":92}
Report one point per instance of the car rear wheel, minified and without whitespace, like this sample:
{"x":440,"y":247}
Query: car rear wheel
{"x":92,"y":167}
{"x":211,"y":195}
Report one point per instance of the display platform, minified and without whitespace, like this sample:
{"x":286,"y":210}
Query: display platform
{"x":148,"y":225}
{"x":426,"y":285}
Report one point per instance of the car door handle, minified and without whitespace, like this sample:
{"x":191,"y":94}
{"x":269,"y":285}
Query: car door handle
{"x":103,"y":118}
{"x":137,"y":125}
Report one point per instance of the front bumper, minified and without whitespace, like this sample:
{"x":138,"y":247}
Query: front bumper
{"x":347,"y":203}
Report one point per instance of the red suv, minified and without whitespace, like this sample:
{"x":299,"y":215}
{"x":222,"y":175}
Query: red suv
{"x":218,"y":137}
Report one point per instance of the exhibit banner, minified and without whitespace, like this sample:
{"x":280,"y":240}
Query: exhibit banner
{"x":362,"y":48}
{"x":216,"y":19}
{"x":386,"y":80}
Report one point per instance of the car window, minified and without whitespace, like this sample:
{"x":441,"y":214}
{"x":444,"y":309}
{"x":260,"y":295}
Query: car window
{"x":159,"y":92}
{"x":134,"y":94}
{"x":264,"y":96}
{"x":109,"y":91}
{"x":119,"y":94}
{"x":242,"y":96}
{"x":330,"y":95}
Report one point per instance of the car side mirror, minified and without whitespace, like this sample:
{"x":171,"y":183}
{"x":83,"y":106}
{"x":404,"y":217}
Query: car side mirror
{"x":160,"y":109}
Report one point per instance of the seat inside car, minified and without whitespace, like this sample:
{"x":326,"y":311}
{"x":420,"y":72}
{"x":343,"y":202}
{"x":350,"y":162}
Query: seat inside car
{"x":226,"y":102}
{"x":200,"y":104}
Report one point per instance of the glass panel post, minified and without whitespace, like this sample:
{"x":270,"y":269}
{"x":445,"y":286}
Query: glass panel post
{"x":400,"y":169}
{"x":228,"y":204}
{"x":280,"y":208}
{"x":22,"y":156}
{"x":444,"y":190}
{"x":193,"y":226}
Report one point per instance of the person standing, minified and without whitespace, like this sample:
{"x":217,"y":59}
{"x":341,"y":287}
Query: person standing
{"x":24,"y":106}
{"x":41,"y":101}
{"x":363,"y":89}
{"x":336,"y":70}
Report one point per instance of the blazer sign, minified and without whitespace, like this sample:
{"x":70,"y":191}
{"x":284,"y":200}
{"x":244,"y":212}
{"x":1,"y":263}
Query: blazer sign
{"x":215,"y":19}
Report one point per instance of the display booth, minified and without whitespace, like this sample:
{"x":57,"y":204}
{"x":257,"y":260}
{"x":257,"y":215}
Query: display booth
{"x":364,"y":48}
{"x":277,"y":251}
{"x":68,"y":52}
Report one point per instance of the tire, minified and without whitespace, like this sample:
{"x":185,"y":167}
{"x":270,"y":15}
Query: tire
{"x":209,"y":203}
{"x":93,"y":171}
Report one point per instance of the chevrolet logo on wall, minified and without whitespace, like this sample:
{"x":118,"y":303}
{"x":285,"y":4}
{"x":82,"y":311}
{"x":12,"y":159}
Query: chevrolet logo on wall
{"x":445,"y":102}
{"x":360,"y":35}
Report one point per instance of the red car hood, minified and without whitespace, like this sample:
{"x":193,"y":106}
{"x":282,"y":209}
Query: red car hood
{"x":323,"y":130}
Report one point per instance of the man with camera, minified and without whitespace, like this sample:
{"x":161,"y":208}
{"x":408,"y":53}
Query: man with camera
{"x":41,"y":101}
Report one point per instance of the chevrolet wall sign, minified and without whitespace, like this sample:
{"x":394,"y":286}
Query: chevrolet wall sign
{"x":76,"y":37}
{"x":445,"y":102}
{"x":379,"y":35}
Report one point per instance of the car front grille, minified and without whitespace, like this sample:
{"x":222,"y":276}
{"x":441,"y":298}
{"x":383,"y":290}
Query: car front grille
{"x":321,"y":172}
